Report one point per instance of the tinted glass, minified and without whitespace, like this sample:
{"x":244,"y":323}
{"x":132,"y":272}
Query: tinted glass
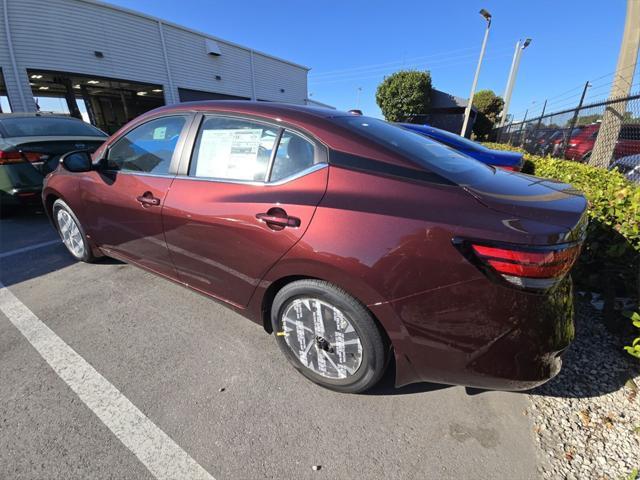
{"x":294,"y":155}
{"x":43,"y":127}
{"x":630,"y":132}
{"x":431,"y":155}
{"x":233,"y":149}
{"x":147,"y":148}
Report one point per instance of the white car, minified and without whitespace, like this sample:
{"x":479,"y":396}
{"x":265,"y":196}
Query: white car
{"x":629,"y":167}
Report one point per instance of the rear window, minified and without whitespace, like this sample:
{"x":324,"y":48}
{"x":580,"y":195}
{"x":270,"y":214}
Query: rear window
{"x":46,"y":127}
{"x":433,"y":156}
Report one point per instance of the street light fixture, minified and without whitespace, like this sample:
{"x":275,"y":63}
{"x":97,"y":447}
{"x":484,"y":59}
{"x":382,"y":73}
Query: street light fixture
{"x":515,"y":64}
{"x":467,"y":110}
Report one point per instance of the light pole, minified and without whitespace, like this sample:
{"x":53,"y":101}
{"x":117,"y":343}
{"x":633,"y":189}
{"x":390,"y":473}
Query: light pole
{"x":467,"y":110}
{"x":515,"y":64}
{"x":358,"y":91}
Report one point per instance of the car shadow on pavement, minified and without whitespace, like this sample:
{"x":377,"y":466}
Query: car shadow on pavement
{"x":18,"y":261}
{"x":595,"y":364}
{"x":386,"y":385}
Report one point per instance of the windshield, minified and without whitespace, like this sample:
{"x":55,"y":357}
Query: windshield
{"x":432,"y":155}
{"x":48,"y":127}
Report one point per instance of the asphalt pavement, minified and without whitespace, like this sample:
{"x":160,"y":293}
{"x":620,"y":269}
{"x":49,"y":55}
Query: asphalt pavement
{"x":109,"y":372}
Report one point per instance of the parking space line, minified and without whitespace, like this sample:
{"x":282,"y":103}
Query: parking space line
{"x":154,"y":448}
{"x":29,"y":248}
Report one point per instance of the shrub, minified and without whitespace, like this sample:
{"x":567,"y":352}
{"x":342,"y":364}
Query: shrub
{"x":403,"y":94}
{"x":610,"y":261}
{"x":489,"y":106}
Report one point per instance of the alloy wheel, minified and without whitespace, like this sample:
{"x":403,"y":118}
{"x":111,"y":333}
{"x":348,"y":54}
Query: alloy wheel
{"x":70,"y":233}
{"x":322,"y":337}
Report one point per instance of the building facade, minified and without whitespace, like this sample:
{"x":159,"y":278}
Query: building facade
{"x":109,"y":64}
{"x":447,"y":113}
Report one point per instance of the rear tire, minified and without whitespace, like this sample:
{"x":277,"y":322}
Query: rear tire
{"x":328,"y":336}
{"x":71,"y":232}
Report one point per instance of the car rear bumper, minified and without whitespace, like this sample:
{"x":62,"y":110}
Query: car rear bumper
{"x":482,"y":335}
{"x":20,"y":184}
{"x":24,"y":196}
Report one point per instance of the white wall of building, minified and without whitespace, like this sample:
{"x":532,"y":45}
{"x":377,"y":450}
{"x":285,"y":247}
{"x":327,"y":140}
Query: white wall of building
{"x":62,"y":35}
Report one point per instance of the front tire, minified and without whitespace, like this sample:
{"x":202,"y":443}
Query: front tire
{"x":328,"y":336}
{"x":71,"y":232}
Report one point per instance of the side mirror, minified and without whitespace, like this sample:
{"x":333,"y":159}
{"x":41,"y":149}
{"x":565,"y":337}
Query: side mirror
{"x":77,"y":161}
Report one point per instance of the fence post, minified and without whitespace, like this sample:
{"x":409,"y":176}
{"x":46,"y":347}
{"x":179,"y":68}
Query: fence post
{"x":574,"y":119}
{"x":535,"y":130}
{"x":510,"y":131}
{"x":522,"y":124}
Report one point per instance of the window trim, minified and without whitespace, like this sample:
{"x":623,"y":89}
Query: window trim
{"x":177,"y":151}
{"x":321,"y":157}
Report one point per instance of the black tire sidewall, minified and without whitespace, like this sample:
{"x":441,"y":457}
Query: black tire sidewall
{"x":61,"y":205}
{"x":373,"y":350}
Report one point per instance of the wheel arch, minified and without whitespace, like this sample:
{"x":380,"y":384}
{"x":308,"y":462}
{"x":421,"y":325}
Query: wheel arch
{"x":49,"y":199}
{"x":353,"y":287}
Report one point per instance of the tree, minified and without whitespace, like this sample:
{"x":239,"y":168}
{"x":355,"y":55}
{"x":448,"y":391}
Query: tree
{"x":488,"y":106}
{"x":403,"y":94}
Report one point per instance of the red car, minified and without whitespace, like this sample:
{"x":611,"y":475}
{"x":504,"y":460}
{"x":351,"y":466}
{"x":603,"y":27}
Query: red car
{"x":353,"y":240}
{"x":580,"y":146}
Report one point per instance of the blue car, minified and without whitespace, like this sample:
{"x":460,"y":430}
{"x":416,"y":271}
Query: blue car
{"x":498,"y":158}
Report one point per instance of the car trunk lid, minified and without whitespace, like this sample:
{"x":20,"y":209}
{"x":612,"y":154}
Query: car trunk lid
{"x":44,"y":153}
{"x":534,"y":198}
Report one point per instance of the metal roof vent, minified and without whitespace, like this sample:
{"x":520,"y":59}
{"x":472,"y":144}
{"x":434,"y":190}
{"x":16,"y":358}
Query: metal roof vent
{"x":212,"y":47}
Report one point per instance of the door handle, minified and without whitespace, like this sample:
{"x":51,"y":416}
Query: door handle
{"x":147,"y":199}
{"x":278,"y":220}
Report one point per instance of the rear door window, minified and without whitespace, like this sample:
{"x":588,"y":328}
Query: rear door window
{"x":295,"y":154}
{"x":233,"y":149}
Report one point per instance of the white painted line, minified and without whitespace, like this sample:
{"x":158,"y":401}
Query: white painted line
{"x":29,"y":248}
{"x":154,"y":448}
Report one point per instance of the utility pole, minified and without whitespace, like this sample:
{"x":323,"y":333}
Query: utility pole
{"x":515,"y":64}
{"x":625,"y":70}
{"x":358,"y":97}
{"x":467,"y":110}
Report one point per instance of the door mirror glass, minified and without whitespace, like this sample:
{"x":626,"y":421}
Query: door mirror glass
{"x":78,"y":161}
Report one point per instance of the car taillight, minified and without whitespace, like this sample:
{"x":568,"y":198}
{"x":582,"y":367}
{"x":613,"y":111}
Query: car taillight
{"x":19,"y":156}
{"x":509,"y":167}
{"x":526,"y":267}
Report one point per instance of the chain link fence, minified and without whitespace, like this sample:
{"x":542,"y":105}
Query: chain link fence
{"x":574,"y":134}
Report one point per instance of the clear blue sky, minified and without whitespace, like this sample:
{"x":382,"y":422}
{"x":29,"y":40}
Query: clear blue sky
{"x":354,"y":43}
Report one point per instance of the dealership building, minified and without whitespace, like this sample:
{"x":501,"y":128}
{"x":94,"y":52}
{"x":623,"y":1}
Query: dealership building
{"x":109,"y":64}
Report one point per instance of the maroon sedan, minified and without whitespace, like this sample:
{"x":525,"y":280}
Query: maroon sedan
{"x":352,"y":240}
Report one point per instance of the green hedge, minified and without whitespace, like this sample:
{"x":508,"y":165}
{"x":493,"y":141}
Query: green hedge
{"x":610,"y":262}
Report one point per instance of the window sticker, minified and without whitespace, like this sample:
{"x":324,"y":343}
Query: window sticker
{"x":159,"y":133}
{"x":229,"y":153}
